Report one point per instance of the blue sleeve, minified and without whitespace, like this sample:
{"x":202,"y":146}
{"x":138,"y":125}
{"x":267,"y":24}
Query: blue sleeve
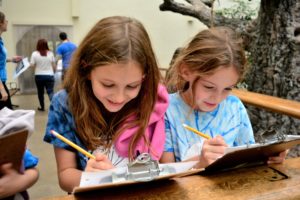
{"x":59,"y":51}
{"x":29,"y":159}
{"x":168,"y":144}
{"x":61,"y":121}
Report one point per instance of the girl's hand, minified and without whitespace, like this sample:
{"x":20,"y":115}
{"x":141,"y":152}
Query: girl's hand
{"x":16,"y":59}
{"x":278,"y":159}
{"x":3,"y":94}
{"x":212,"y":150}
{"x":100,"y":163}
{"x":8,"y":180}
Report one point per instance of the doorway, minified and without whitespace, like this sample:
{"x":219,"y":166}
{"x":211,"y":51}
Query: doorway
{"x":27,"y":37}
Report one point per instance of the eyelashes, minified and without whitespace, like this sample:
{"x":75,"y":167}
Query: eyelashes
{"x":229,"y":89}
{"x":212,"y":88}
{"x":107,"y":86}
{"x":128,"y":86}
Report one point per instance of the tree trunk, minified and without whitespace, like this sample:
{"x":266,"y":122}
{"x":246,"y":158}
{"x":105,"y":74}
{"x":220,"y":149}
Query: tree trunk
{"x":275,"y":63}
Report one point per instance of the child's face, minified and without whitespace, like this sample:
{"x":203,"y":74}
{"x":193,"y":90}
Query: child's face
{"x":211,"y":90}
{"x":114,"y":85}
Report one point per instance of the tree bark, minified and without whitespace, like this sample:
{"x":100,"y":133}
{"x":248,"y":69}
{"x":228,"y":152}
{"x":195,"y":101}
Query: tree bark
{"x":275,"y":66}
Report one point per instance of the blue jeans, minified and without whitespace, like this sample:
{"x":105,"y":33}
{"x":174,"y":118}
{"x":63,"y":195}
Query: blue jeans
{"x":44,"y":82}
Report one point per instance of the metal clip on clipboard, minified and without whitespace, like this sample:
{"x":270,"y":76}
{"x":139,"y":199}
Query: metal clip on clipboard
{"x":142,"y":169}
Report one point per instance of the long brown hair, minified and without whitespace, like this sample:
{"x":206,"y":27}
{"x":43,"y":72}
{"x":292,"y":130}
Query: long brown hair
{"x":112,"y":40}
{"x":209,"y":50}
{"x":42,"y":47}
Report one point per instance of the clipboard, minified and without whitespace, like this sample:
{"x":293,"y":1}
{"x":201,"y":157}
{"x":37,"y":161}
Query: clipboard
{"x":21,"y":67}
{"x":143,"y":169}
{"x":12,"y":147}
{"x":256,"y":154}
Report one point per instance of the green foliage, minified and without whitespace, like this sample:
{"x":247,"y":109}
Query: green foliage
{"x":242,"y":9}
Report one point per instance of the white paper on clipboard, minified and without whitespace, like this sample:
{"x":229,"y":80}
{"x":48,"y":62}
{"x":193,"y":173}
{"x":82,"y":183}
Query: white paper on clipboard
{"x":101,"y":180}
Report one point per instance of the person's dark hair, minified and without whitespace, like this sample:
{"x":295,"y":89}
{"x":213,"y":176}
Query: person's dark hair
{"x":42,"y":47}
{"x":168,"y":77}
{"x":2,"y":17}
{"x":63,"y":36}
{"x":175,"y":54}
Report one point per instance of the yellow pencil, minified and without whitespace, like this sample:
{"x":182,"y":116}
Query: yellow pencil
{"x":196,"y":131}
{"x":65,"y":140}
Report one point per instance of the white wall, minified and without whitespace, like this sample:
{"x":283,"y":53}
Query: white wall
{"x":167,"y":30}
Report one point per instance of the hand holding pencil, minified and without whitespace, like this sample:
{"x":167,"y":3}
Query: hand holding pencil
{"x":212,"y":149}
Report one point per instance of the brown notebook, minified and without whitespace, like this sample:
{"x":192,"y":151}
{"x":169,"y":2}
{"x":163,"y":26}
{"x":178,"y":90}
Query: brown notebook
{"x":12,"y":147}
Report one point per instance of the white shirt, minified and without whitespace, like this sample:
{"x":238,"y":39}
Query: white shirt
{"x":113,"y":156}
{"x":43,"y":64}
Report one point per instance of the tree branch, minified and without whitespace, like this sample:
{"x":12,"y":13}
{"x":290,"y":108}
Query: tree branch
{"x":199,"y":10}
{"x":195,"y":9}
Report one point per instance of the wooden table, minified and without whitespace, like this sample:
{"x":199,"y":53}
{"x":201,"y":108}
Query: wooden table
{"x":256,"y":183}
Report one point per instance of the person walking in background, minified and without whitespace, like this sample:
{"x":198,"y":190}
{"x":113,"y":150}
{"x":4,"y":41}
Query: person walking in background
{"x":44,"y":63}
{"x":5,"y":100}
{"x":64,"y":52}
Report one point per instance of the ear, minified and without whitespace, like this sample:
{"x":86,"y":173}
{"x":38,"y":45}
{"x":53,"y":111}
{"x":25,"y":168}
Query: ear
{"x":185,"y":72}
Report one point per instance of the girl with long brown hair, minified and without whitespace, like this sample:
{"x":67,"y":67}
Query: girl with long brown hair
{"x":112,"y":103}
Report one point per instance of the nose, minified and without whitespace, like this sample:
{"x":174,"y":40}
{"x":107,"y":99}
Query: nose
{"x":119,"y":96}
{"x":218,"y":97}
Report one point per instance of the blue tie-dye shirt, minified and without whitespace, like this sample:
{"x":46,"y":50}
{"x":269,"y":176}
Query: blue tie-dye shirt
{"x":61,"y":120}
{"x":229,"y":119}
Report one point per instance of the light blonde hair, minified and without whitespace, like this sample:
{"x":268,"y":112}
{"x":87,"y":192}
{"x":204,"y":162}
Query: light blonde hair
{"x":112,"y":40}
{"x":209,"y":50}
